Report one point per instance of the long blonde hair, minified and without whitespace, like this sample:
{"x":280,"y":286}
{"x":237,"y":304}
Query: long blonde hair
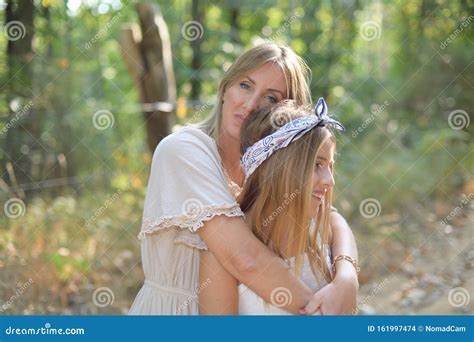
{"x":296,"y":72}
{"x":277,"y":196}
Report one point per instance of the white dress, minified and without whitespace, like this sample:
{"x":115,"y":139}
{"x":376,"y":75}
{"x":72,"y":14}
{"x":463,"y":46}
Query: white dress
{"x":252,"y":304}
{"x":187,"y":187}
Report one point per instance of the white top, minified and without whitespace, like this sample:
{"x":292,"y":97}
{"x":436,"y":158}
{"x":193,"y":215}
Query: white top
{"x":187,"y":186}
{"x":252,"y":304}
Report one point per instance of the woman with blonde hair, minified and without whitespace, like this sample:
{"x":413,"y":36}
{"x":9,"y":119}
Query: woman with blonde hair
{"x":286,"y":200}
{"x":190,"y":204}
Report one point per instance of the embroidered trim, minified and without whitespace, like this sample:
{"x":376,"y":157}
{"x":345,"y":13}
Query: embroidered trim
{"x":192,"y":222}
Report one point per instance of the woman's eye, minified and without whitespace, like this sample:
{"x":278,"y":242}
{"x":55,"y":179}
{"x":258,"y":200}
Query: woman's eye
{"x":244,"y":85}
{"x":318,"y":166}
{"x":272,"y":99}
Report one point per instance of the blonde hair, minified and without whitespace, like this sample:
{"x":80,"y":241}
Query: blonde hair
{"x":277,"y":196}
{"x":296,"y":72}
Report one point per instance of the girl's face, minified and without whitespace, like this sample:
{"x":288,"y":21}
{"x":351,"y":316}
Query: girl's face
{"x":323,"y":179}
{"x":261,"y":87}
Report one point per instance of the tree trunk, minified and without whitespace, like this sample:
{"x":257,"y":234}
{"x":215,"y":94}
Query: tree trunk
{"x":197,"y":56}
{"x":234,"y":25}
{"x":22,"y":136}
{"x":150,"y":63}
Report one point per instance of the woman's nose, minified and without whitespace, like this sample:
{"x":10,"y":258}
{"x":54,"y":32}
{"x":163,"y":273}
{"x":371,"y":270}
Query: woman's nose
{"x":251,"y":103}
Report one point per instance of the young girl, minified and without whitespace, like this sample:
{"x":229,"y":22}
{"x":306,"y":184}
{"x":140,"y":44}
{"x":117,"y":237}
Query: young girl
{"x":286,"y":200}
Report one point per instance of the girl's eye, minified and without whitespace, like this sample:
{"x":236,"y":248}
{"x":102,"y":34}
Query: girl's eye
{"x":318,"y":166}
{"x":244,"y":85}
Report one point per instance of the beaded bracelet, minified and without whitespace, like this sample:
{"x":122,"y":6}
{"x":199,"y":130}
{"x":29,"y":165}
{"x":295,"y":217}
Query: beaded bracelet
{"x":347,"y":258}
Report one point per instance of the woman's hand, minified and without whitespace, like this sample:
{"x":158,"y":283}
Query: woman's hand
{"x":338,"y":297}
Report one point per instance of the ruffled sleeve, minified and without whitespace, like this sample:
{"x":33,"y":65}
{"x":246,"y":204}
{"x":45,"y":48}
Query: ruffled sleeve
{"x":187,"y":186}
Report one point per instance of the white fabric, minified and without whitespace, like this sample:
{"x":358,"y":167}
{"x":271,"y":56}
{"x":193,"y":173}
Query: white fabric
{"x":187,"y":187}
{"x":252,"y":304}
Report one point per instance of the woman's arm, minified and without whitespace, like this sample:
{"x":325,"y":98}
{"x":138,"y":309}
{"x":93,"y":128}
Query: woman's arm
{"x":219,"y":293}
{"x":247,"y":259}
{"x":340,"y":296}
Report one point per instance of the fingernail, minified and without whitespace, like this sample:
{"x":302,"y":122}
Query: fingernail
{"x":303,"y":312}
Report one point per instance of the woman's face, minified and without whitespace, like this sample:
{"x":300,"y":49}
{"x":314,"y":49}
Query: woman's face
{"x":261,"y":87}
{"x":323,"y":179}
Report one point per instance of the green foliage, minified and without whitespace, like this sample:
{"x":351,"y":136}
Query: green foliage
{"x":78,"y":70}
{"x":393,"y":87}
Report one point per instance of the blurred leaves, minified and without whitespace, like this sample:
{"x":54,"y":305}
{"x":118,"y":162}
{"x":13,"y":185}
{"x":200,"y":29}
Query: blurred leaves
{"x":393,"y":93}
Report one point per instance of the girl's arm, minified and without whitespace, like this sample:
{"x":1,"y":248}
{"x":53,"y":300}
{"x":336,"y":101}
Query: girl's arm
{"x":340,"y":296}
{"x":219,"y":293}
{"x":247,"y":259}
{"x":343,"y":242}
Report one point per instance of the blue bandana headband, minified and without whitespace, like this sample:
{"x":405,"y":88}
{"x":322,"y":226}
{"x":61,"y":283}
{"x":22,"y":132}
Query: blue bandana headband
{"x":256,"y":154}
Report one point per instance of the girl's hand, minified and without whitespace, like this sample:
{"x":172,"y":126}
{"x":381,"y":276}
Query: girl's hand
{"x":338,"y":297}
